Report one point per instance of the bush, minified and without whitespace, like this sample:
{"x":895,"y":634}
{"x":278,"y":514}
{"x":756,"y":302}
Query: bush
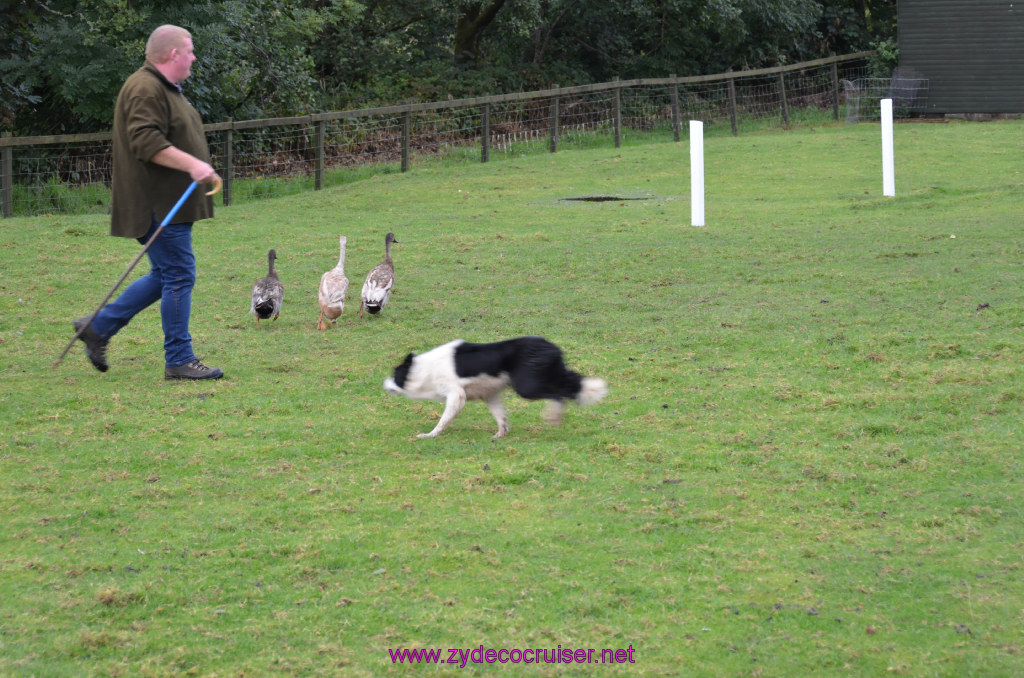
{"x":885,"y":60}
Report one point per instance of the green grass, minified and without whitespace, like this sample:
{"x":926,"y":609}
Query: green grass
{"x":809,"y":462}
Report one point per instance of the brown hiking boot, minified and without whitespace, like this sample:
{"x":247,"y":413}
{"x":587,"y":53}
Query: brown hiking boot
{"x":193,"y":370}
{"x":95,"y":345}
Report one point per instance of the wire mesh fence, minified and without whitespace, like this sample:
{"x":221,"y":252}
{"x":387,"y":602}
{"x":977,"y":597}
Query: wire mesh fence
{"x":258,"y":158}
{"x":864,"y":97}
{"x":71,"y":177}
{"x":364,"y":141}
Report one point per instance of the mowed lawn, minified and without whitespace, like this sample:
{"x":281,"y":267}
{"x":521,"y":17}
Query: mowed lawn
{"x":809,"y":461}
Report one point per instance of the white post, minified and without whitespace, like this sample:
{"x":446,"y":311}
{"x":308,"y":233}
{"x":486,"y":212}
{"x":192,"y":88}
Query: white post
{"x":888,"y":165}
{"x":696,"y":173}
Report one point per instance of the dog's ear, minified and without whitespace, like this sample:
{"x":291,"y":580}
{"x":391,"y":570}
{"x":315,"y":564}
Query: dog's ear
{"x":402,"y":371}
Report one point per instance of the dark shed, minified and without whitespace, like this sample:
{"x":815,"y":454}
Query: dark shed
{"x":971,"y":52}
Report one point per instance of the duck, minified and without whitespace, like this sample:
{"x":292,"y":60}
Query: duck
{"x":377,"y":288}
{"x":333,"y":287}
{"x":267,"y":293}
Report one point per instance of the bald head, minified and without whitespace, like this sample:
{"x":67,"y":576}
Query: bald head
{"x":164,"y":39}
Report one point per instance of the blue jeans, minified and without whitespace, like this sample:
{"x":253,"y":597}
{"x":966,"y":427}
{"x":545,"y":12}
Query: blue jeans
{"x":170,"y":280}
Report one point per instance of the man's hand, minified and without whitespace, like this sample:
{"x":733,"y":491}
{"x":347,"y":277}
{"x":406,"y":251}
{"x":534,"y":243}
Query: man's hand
{"x":200,"y":171}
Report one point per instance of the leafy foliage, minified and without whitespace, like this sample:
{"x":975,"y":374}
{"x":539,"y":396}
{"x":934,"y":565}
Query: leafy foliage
{"x":62,"y":61}
{"x":886,"y":59}
{"x":69,"y":59}
{"x":66,"y":61}
{"x":254,"y":60}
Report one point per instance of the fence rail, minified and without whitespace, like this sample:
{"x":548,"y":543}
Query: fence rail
{"x":47,"y":174}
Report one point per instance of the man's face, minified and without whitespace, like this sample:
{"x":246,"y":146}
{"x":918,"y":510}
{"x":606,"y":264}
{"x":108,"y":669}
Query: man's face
{"x":181,"y":61}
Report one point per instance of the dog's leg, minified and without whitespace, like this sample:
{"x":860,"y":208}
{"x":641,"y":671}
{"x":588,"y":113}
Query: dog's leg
{"x":454,"y":403}
{"x":553,"y":413}
{"x":498,"y":410}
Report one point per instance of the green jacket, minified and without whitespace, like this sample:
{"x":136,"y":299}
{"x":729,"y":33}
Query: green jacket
{"x":150,"y":115}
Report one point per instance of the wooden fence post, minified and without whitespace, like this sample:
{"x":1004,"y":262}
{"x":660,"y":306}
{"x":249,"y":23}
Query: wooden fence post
{"x":405,"y":140}
{"x":485,"y":134}
{"x":673,"y":95}
{"x":7,"y":182}
{"x":229,"y":160}
{"x":835,"y":91}
{"x":617,"y":115}
{"x":733,"y":113}
{"x":554,"y":122}
{"x":782,"y":99}
{"x":318,"y":182}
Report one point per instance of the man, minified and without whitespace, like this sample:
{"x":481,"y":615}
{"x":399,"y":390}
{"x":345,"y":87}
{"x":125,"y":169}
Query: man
{"x":158,"y":149}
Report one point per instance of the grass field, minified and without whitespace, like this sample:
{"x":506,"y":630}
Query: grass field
{"x":809,"y":462}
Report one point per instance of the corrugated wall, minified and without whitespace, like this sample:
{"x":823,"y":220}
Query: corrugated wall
{"x":971,"y":51}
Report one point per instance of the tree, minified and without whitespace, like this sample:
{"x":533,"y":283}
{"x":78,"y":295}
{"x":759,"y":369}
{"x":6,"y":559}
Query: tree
{"x":65,"y":60}
{"x":635,"y":38}
{"x":853,"y":25}
{"x":549,"y":17}
{"x":62,"y":61}
{"x":254,"y":59}
{"x":473,"y":20}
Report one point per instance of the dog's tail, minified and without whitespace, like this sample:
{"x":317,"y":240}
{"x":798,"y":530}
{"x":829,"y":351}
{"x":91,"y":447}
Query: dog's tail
{"x":592,"y":390}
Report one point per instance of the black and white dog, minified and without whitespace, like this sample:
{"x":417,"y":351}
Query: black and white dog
{"x":459,"y":371}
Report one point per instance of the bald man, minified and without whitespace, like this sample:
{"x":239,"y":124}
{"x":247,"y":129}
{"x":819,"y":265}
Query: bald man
{"x":158,"y":149}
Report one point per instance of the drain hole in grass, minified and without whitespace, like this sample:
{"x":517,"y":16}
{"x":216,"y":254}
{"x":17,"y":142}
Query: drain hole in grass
{"x":603,"y":198}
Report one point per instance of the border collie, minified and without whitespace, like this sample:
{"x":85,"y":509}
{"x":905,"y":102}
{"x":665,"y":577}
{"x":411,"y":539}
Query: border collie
{"x":459,"y":371}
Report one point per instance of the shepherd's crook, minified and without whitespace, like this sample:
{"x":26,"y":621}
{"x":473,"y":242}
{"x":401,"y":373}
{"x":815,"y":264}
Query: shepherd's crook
{"x":145,"y":248}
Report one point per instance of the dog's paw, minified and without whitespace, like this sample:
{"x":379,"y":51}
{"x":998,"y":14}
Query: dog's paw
{"x":426,"y":435}
{"x":552,"y":414}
